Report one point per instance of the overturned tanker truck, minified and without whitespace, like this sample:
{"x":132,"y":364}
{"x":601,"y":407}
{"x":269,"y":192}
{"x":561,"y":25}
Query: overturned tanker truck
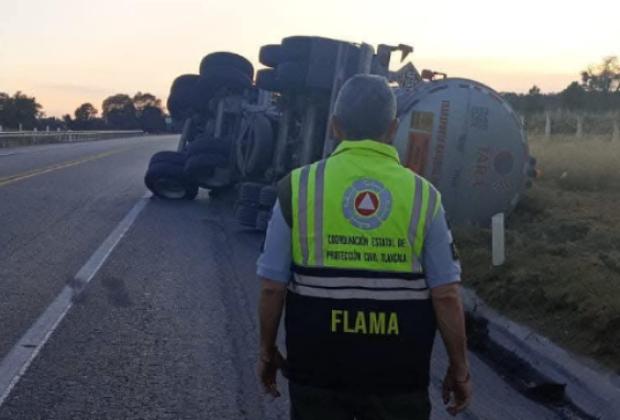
{"x":247,"y":130}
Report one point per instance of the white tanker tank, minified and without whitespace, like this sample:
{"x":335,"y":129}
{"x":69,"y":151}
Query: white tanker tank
{"x":464,"y":137}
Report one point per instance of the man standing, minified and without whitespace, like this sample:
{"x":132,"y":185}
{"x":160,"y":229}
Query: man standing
{"x":359,"y":248}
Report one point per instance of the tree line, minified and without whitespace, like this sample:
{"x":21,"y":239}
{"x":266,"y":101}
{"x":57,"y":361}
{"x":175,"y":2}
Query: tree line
{"x":597,"y":91}
{"x":143,"y":111}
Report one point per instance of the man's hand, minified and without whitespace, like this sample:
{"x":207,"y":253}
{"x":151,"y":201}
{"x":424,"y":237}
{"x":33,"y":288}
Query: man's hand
{"x":456,"y":388}
{"x":268,"y":366}
{"x":269,"y":313}
{"x":451,"y":323}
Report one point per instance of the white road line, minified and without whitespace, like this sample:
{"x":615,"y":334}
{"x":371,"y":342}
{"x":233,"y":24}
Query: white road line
{"x":18,"y":360}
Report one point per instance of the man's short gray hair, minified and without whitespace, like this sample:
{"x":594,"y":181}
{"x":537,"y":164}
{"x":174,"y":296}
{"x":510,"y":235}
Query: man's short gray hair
{"x":365,"y":107}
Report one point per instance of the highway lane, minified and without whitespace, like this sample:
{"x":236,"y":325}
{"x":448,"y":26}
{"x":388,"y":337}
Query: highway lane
{"x":167,"y":329}
{"x":52,"y":221}
{"x":20,"y":160}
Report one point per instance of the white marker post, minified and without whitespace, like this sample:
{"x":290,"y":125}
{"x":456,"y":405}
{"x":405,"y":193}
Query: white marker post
{"x":498,"y":240}
{"x":547,"y":126}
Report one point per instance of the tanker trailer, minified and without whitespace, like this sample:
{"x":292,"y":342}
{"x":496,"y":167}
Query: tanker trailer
{"x":464,"y":137}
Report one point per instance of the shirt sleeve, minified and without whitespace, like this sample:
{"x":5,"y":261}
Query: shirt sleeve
{"x":439,"y":256}
{"x":274,"y":262}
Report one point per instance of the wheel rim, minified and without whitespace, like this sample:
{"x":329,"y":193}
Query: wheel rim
{"x":170,"y":189}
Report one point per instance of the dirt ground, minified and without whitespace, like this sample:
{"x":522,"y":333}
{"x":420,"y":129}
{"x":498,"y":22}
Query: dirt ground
{"x":562,"y":275}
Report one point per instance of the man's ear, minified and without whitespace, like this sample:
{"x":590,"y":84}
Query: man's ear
{"x":391,"y":132}
{"x":336,"y":130}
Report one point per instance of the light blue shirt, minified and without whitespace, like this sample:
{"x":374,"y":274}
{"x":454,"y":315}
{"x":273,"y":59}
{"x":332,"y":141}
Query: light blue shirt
{"x":439,"y":258}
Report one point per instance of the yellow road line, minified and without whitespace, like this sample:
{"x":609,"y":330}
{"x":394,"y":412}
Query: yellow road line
{"x":35,"y":172}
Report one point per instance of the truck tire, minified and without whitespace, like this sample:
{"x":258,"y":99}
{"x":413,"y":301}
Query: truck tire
{"x":175,"y":158}
{"x":270,"y":55}
{"x":183,"y":92}
{"x":202,"y":169}
{"x":268,"y":196}
{"x":297,"y":47}
{"x":246,"y":215}
{"x":292,"y":75}
{"x":227,"y":59}
{"x":255,"y":149}
{"x":222,"y":177}
{"x":249,"y":193}
{"x":262,"y":220}
{"x":266,"y":80}
{"x":218,"y":77}
{"x":168,"y":181}
{"x":176,"y":110}
{"x":198,"y":167}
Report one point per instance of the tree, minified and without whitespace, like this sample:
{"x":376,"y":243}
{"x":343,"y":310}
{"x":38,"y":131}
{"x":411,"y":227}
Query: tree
{"x":149,"y":112}
{"x":573,"y":97}
{"x":534,"y":101}
{"x":144,"y":100}
{"x":152,"y":120}
{"x":86,"y":118}
{"x":120,"y":112}
{"x":19,"y":109}
{"x":85,"y":112}
{"x":604,"y":77}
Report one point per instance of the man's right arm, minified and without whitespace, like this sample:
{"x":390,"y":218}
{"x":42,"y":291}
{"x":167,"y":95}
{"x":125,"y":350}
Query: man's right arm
{"x":451,"y":324}
{"x":443,"y":275}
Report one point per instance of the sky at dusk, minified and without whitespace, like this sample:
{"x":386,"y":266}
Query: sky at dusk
{"x":67,"y":52}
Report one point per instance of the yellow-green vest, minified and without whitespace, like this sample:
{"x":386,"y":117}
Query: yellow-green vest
{"x":358,"y":307}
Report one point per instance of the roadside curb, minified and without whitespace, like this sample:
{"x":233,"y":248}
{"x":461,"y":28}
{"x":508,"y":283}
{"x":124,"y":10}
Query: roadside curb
{"x":591,"y":389}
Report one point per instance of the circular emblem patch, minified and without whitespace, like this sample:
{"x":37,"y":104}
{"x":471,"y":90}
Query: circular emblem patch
{"x":367,"y":204}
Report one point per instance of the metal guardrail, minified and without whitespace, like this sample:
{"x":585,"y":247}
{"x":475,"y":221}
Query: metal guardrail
{"x":28,"y":138}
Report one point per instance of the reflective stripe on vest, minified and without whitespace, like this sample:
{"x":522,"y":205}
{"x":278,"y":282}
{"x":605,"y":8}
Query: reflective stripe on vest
{"x":356,"y":288}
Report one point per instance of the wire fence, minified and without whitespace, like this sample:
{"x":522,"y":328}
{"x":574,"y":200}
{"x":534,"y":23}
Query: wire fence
{"x":572,"y":124}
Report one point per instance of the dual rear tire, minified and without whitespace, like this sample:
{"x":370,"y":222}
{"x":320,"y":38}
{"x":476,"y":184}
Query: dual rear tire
{"x":166,"y":177}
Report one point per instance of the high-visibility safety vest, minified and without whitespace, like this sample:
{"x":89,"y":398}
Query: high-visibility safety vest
{"x":358,"y":310}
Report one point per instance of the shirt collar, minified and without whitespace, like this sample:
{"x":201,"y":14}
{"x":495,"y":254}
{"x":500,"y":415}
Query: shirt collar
{"x":372,"y":146}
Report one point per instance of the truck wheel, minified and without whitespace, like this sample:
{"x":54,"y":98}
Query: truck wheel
{"x":297,"y":47}
{"x":175,"y":158}
{"x":246,"y":215}
{"x":227,"y":59}
{"x":268,"y":196}
{"x":221,"y":178}
{"x":262,"y":220}
{"x":219,"y":77}
{"x":292,"y":75}
{"x":254,"y":150}
{"x":201,"y":167}
{"x":266,"y":80}
{"x":183,"y":95}
{"x":270,"y":55}
{"x":168,"y":181}
{"x":175,"y":108}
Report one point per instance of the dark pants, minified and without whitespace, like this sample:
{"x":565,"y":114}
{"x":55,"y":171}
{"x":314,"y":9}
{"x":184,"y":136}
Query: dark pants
{"x":312,"y":403}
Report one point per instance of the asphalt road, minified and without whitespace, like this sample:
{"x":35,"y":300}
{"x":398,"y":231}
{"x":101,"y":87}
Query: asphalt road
{"x":167,"y":328}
